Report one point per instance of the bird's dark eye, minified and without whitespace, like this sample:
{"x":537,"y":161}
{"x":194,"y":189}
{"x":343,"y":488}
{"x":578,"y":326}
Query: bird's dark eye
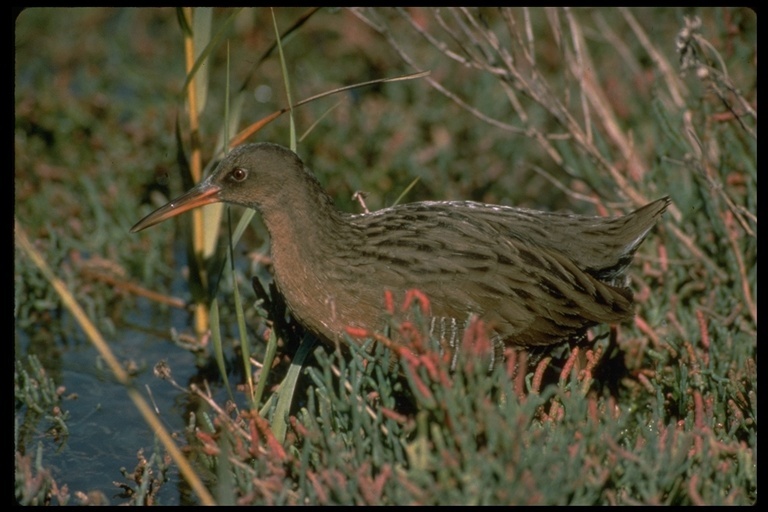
{"x":239,"y":174}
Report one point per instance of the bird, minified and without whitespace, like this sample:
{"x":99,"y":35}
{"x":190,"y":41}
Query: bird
{"x":535,"y":278}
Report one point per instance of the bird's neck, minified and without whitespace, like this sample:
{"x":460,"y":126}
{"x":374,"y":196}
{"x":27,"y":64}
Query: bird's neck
{"x":305,"y":235}
{"x":302,"y":221}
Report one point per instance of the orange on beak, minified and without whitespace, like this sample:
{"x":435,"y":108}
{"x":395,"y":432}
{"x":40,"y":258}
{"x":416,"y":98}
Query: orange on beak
{"x":200,"y":195}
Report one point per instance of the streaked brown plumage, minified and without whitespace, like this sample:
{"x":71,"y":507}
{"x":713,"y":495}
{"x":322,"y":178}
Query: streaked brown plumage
{"x":537,"y":278}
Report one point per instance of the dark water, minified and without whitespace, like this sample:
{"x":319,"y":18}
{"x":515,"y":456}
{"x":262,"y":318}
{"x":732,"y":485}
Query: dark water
{"x":105,"y":429}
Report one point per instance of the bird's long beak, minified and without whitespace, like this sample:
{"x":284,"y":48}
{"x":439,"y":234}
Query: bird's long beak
{"x":200,"y":195}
